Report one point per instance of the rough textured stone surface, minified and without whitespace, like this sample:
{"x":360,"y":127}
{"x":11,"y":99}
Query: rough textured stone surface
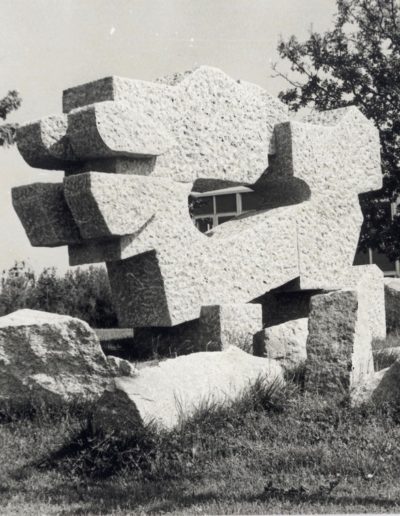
{"x":222,"y":326}
{"x":162,"y":270}
{"x":44,"y":144}
{"x":45,"y":215}
{"x":105,"y":205}
{"x":368,"y":281}
{"x":170,"y":391}
{"x":222,"y":127}
{"x":284,"y":342}
{"x":337,"y":155}
{"x":50,"y":358}
{"x":120,"y":367}
{"x":339,"y":345}
{"x":190,"y":270}
{"x":392,"y":304}
{"x":110,"y":129}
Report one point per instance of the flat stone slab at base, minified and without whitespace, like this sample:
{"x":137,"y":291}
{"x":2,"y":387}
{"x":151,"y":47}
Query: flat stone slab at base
{"x":284,"y":342}
{"x":50,"y":358}
{"x":166,"y":393}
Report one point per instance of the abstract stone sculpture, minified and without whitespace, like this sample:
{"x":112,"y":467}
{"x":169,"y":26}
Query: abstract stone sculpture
{"x":132,"y":150}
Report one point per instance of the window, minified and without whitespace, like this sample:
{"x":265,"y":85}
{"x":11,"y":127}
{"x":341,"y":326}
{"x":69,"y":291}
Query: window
{"x":210,"y":209}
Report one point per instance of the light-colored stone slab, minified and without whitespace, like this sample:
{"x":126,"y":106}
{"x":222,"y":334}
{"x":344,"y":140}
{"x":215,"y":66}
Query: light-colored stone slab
{"x":110,"y":129}
{"x":222,"y":127}
{"x":284,"y":342}
{"x":368,"y":280}
{"x":171,"y":391}
{"x":49,"y":358}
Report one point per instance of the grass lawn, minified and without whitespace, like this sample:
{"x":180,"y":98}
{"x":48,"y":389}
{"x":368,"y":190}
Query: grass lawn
{"x":273,"y":451}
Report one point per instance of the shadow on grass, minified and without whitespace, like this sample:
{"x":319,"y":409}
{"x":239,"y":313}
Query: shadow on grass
{"x":168,"y":497}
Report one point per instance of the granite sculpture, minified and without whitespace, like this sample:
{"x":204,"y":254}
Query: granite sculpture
{"x":133,"y":151}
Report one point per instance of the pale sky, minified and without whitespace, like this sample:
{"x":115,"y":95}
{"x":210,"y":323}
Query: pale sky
{"x":49,"y":45}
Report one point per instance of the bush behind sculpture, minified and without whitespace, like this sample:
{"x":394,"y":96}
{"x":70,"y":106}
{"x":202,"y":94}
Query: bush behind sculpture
{"x":81,"y":293}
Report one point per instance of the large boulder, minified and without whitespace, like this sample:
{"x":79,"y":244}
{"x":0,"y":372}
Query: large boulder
{"x":285,"y":342}
{"x":49,"y":358}
{"x":173,"y":389}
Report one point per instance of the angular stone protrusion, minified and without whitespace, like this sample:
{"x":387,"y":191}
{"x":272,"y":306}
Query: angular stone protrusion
{"x":284,"y":342}
{"x":338,"y":156}
{"x":50,"y":358}
{"x":339,"y":348}
{"x":188,"y":269}
{"x":222,"y":326}
{"x":107,"y":205}
{"x":392,"y":304}
{"x":113,"y":88}
{"x":222,"y":128}
{"x":169,"y":392}
{"x":111,"y":129}
{"x":45,"y":215}
{"x":44,"y":144}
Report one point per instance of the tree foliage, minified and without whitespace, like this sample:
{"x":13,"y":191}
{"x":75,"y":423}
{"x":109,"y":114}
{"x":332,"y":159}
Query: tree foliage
{"x":82,"y":293}
{"x":9,"y":103}
{"x":357,"y":62}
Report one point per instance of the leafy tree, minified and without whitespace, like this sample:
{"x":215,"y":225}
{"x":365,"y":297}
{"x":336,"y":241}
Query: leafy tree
{"x":16,"y":288}
{"x":9,"y":103}
{"x":357,"y":62}
{"x":82,"y":293}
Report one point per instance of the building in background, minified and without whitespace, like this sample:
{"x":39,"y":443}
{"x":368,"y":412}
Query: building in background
{"x":209,"y":209}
